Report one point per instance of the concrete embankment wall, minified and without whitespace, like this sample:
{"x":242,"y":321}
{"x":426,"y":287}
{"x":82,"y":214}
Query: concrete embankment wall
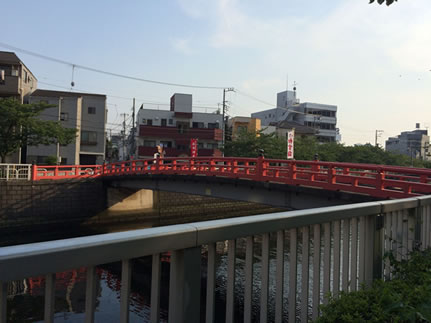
{"x":52,"y":205}
{"x":26,"y":205}
{"x":155,"y":208}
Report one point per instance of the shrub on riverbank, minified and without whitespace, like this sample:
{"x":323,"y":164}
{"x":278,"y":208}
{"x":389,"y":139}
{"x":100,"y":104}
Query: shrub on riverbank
{"x":404,"y":298}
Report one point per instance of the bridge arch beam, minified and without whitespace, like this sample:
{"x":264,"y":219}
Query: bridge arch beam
{"x":274,"y":194}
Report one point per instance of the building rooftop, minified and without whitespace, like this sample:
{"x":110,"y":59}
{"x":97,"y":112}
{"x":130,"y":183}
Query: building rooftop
{"x":9,"y":58}
{"x":50,"y":93}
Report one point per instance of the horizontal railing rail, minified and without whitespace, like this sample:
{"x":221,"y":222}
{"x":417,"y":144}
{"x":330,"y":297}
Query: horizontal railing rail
{"x":66,"y":171}
{"x":9,"y":172}
{"x":324,"y":250}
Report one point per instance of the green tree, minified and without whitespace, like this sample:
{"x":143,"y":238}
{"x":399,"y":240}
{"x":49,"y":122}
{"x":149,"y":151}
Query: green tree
{"x":388,"y":2}
{"x":248,"y":144}
{"x":20,"y":126}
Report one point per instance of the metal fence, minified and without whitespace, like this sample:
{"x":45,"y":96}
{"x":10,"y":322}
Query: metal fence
{"x":317,"y":251}
{"x":9,"y":172}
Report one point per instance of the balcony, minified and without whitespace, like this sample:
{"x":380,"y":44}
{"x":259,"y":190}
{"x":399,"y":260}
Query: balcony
{"x":180,"y":134}
{"x":175,"y":152}
{"x":10,"y":85}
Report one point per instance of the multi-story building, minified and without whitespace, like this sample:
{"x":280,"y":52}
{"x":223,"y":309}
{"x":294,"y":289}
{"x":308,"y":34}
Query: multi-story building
{"x":321,"y":117}
{"x":83,"y":111}
{"x":239,"y":124}
{"x":415,"y":144}
{"x":283,"y":127}
{"x":175,"y":127}
{"x":16,"y":80}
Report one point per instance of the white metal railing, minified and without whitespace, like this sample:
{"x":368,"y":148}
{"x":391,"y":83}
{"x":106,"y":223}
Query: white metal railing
{"x":10,"y":172}
{"x":317,"y":251}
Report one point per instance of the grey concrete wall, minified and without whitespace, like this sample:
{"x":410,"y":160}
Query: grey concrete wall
{"x":45,"y":204}
{"x":71,"y":106}
{"x":56,"y":205}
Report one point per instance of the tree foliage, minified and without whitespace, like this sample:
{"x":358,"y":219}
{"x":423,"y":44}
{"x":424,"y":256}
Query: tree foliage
{"x":388,"y":2}
{"x":306,"y":148}
{"x":404,"y":298}
{"x":20,"y":126}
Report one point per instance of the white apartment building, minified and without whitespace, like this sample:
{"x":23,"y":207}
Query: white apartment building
{"x":83,"y":111}
{"x":321,"y":117}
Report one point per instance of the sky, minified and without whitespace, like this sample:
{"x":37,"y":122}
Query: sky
{"x":372,"y":61}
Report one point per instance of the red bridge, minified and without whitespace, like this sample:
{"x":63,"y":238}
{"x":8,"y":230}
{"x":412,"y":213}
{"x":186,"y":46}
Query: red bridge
{"x":373,"y":180}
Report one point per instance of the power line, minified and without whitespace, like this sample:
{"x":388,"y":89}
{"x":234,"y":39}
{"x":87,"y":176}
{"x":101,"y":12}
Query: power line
{"x":128,"y":98}
{"x":91,"y":69}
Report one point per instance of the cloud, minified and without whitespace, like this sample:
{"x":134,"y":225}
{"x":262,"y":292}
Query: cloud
{"x":182,"y":45}
{"x":351,"y":56}
{"x":196,"y":9}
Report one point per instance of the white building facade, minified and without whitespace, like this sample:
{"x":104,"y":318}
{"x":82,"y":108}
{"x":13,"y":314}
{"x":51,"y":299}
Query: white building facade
{"x":321,"y":117}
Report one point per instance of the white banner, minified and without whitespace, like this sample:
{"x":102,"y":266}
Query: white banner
{"x":290,"y":143}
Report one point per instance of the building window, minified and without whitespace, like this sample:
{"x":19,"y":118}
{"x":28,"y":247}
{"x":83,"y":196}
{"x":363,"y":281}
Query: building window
{"x":198,"y":125}
{"x":182,"y":147}
{"x":166,"y":144}
{"x":149,"y":143}
{"x":163,"y":122}
{"x":171,"y":121}
{"x":25,"y":76}
{"x":149,"y":122}
{"x":213,"y":125}
{"x":64,"y":116}
{"x":88,"y":137}
{"x":91,"y":110}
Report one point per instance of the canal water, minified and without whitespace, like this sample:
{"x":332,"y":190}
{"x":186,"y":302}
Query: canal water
{"x":26,"y":297}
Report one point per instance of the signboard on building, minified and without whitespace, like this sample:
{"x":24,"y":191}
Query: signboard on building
{"x":193,"y":147}
{"x":290,"y":143}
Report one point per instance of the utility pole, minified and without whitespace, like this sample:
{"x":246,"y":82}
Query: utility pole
{"x":133,"y":130}
{"x":224,"y":114}
{"x":59,"y":119}
{"x":378,"y":134}
{"x":124,"y":134}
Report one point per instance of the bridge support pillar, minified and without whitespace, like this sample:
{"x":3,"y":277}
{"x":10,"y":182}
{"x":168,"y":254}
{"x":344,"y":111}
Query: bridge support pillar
{"x":185,"y":286}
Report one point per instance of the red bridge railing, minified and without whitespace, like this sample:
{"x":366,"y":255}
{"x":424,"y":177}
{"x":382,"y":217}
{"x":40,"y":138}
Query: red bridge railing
{"x":375,"y":180}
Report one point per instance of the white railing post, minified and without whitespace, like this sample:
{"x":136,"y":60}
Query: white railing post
{"x":90,"y":294}
{"x":185,"y":285}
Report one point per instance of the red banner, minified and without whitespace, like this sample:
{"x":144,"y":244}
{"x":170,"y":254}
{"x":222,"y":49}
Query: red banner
{"x":193,"y":147}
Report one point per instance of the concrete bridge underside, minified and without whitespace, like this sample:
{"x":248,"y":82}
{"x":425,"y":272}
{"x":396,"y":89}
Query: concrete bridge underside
{"x":274,"y":194}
